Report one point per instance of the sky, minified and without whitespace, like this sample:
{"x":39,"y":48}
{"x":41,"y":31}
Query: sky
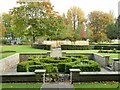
{"x":62,"y":6}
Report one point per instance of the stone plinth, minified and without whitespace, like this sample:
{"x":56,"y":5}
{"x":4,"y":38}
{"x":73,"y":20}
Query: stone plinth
{"x":40,"y":72}
{"x":74,"y":75}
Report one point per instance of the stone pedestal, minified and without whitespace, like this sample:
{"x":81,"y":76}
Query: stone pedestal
{"x":107,"y":60}
{"x":40,"y":73}
{"x":74,"y":75}
{"x":114,"y":60}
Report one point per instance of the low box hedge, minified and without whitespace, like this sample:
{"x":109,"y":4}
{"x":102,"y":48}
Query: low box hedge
{"x":22,"y":67}
{"x":41,"y":46}
{"x":107,"y":47}
{"x":91,"y":47}
{"x":63,"y":64}
{"x":77,"y":47}
{"x":32,"y":68}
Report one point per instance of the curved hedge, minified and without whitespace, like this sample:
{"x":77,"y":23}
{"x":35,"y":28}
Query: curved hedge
{"x":62,"y":64}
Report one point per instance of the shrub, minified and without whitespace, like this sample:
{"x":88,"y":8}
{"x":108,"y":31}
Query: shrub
{"x":48,"y":67}
{"x":53,"y":65}
{"x":91,"y":47}
{"x":33,"y":58}
{"x":22,"y":67}
{"x":77,"y":47}
{"x":34,"y":63}
{"x":67,"y":68}
{"x":107,"y":47}
{"x":33,"y":67}
{"x":54,"y":70}
{"x":4,"y":41}
{"x":61,"y":67}
{"x":41,"y":46}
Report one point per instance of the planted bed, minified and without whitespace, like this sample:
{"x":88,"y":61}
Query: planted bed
{"x":61,"y":64}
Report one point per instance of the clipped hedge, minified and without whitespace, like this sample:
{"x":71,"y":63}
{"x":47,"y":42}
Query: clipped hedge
{"x":22,"y":67}
{"x":33,"y":67}
{"x":61,"y":67}
{"x":41,"y":46}
{"x":107,"y":47}
{"x":77,"y":47}
{"x":62,"y":64}
{"x":91,"y":47}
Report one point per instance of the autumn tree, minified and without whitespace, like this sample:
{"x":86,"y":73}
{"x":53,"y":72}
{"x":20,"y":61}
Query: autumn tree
{"x":98,"y":22}
{"x":31,"y":17}
{"x":75,"y":16}
{"x":83,"y":33}
{"x":8,"y":23}
{"x":2,"y":28}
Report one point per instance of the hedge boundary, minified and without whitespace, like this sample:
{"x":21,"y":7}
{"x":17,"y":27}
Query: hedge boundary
{"x":91,"y":47}
{"x":41,"y":46}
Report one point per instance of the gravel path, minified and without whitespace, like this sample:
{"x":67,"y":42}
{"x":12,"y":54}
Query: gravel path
{"x":61,"y":86}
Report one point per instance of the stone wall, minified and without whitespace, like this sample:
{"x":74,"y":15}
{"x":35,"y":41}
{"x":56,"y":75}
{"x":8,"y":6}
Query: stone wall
{"x":116,"y":66}
{"x":21,"y":77}
{"x":25,"y":56}
{"x":81,"y":77}
{"x":9,"y":63}
{"x":100,"y":59}
{"x":96,"y":76}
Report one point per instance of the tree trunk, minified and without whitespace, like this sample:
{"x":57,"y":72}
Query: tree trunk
{"x":33,"y":39}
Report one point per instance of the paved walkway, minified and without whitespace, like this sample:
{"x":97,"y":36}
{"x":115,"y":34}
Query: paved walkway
{"x":61,"y":86}
{"x":56,"y":52}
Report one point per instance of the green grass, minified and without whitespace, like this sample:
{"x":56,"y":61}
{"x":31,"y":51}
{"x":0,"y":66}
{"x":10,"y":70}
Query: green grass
{"x":19,"y":49}
{"x":112,"y":55}
{"x":80,"y":51}
{"x":5,"y":55}
{"x":21,"y":85}
{"x":77,"y":86}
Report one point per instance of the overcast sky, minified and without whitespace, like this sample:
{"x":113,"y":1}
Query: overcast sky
{"x":63,"y":5}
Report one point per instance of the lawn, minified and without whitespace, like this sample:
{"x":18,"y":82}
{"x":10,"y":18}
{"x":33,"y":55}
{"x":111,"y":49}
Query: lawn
{"x":102,"y":85}
{"x":80,"y":51}
{"x":18,"y":49}
{"x":112,"y":55}
{"x":21,"y":48}
{"x":5,"y":55}
{"x":27,"y":86}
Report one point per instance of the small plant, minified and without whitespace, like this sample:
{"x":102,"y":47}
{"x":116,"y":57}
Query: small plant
{"x":114,"y":50}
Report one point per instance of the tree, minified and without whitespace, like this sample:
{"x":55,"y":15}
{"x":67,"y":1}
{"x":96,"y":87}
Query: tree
{"x":83,"y":33}
{"x":75,"y":17}
{"x":7,"y":21}
{"x":2,"y":28}
{"x":98,"y":22}
{"x":118,"y":26}
{"x":31,"y":17}
{"x":112,"y":31}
